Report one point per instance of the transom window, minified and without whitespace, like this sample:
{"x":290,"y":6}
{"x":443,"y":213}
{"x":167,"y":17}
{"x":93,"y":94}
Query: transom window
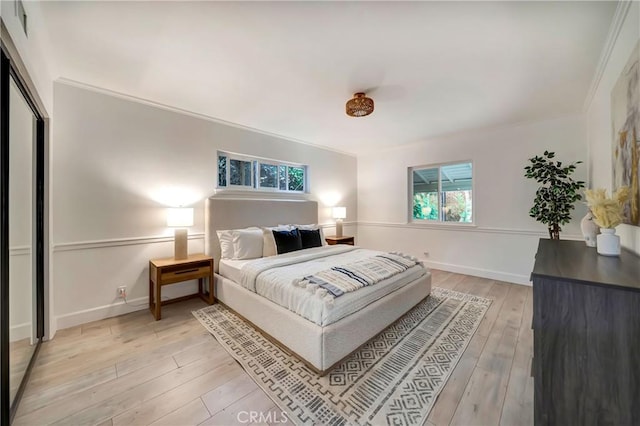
{"x":244,"y":172}
{"x":442,"y":193}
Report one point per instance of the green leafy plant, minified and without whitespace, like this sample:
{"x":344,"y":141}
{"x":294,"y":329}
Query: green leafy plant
{"x":557,"y":194}
{"x":425,"y":205}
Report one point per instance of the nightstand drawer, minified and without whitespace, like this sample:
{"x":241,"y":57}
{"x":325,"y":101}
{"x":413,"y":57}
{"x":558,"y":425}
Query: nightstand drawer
{"x":175,"y":274}
{"x":170,"y":271}
{"x":333,"y":243}
{"x":333,"y":240}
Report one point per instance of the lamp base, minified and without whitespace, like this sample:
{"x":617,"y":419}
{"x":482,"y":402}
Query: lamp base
{"x":339,"y":228}
{"x":180,"y":249}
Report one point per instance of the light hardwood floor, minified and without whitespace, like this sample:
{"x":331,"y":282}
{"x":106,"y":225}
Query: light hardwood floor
{"x":134,"y":370}
{"x":20,"y":353}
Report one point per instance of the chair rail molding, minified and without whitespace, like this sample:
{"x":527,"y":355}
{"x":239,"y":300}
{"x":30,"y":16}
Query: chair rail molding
{"x":465,"y":228}
{"x":116,"y":242}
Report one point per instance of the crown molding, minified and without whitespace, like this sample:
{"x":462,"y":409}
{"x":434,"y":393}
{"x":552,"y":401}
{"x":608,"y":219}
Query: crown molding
{"x":614,"y":31}
{"x":131,"y":98}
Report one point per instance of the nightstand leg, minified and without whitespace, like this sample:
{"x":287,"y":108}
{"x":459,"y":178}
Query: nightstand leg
{"x":151,"y":296}
{"x":208,"y":296}
{"x":212,"y":298}
{"x":158,"y":315}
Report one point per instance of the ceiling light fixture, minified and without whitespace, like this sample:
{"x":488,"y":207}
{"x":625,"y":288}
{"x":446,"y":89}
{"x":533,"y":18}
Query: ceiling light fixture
{"x":359,"y":106}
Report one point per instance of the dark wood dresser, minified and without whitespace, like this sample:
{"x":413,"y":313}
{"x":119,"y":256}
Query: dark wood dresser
{"x":586,"y":328}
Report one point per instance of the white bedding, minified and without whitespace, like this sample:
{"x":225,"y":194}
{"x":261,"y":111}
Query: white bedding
{"x":273,"y":277}
{"x":232,"y":268}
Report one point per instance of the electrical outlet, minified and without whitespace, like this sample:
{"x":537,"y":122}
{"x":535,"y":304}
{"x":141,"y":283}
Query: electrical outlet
{"x":122,"y":292}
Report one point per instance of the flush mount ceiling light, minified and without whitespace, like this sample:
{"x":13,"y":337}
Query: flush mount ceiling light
{"x":359,"y":106}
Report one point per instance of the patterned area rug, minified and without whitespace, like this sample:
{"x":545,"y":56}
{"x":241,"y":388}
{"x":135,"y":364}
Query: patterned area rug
{"x":393,"y":379}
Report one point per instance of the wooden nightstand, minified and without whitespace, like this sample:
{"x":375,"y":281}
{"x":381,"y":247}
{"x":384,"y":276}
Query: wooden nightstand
{"x":170,"y":271}
{"x":333,"y":240}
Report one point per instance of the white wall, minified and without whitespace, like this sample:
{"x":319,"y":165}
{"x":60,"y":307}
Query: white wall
{"x":599,"y":113}
{"x":117,"y":162}
{"x":503,"y":242}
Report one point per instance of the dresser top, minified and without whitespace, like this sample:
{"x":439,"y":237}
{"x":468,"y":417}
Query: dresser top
{"x":574,"y":261}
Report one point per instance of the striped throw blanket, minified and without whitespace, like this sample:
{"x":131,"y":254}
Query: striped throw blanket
{"x":338,"y":280}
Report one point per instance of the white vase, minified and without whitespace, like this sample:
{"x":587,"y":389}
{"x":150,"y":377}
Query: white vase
{"x":608,"y":242}
{"x":589,"y":229}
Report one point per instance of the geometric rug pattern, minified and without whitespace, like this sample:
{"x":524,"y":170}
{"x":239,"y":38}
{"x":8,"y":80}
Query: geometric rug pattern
{"x":393,"y":379}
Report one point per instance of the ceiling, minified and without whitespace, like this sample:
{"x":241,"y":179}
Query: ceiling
{"x":288,"y":68}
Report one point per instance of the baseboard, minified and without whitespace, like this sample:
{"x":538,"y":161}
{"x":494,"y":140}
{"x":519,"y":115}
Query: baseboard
{"x":53,"y":328}
{"x":121,"y":308}
{"x":101,"y":312}
{"x":479,"y":272}
{"x":19,"y":332}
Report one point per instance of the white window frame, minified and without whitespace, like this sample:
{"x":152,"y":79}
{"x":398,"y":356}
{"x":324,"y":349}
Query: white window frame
{"x":228,"y":171}
{"x":440,"y":222}
{"x":257,"y":165}
{"x":255,"y":174}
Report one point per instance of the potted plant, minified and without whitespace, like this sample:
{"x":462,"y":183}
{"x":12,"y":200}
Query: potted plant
{"x":557,"y":194}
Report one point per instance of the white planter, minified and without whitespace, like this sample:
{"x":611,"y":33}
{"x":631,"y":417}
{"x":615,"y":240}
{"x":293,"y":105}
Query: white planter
{"x":608,"y":242}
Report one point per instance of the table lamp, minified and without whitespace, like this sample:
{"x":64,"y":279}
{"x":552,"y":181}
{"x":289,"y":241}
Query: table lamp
{"x":180,"y":218}
{"x":339,"y":213}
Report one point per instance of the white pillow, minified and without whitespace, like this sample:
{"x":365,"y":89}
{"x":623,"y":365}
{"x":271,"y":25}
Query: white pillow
{"x":268,"y":242}
{"x":226,"y":243}
{"x":247,"y":243}
{"x":312,"y":227}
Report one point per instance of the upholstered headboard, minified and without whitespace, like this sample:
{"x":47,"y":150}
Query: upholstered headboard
{"x":234,"y":213}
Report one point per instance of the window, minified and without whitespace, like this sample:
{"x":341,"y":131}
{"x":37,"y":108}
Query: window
{"x":243,"y":172}
{"x":240,"y":172}
{"x":442,"y":193}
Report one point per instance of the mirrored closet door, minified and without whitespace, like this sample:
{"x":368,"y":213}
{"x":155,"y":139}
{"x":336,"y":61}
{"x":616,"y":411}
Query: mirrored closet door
{"x":22,"y":235}
{"x":22,"y":336}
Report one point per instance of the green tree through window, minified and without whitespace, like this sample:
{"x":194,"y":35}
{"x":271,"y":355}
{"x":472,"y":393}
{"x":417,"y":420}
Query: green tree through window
{"x":442,"y":193}
{"x":245,"y":172}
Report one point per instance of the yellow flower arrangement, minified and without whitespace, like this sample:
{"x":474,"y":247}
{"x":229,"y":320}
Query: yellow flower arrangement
{"x":607,"y":212}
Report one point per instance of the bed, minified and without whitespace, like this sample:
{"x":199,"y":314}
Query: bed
{"x":320,"y":333}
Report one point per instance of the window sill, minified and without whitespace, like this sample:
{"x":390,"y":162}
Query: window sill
{"x":442,"y":225}
{"x":253,"y":193}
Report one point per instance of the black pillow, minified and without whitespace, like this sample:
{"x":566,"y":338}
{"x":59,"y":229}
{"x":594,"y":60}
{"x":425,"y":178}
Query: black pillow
{"x":310,"y":238}
{"x":287,"y":241}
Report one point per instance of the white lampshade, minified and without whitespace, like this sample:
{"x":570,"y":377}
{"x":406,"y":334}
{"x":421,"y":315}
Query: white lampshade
{"x":180,"y":217}
{"x":339,"y":212}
